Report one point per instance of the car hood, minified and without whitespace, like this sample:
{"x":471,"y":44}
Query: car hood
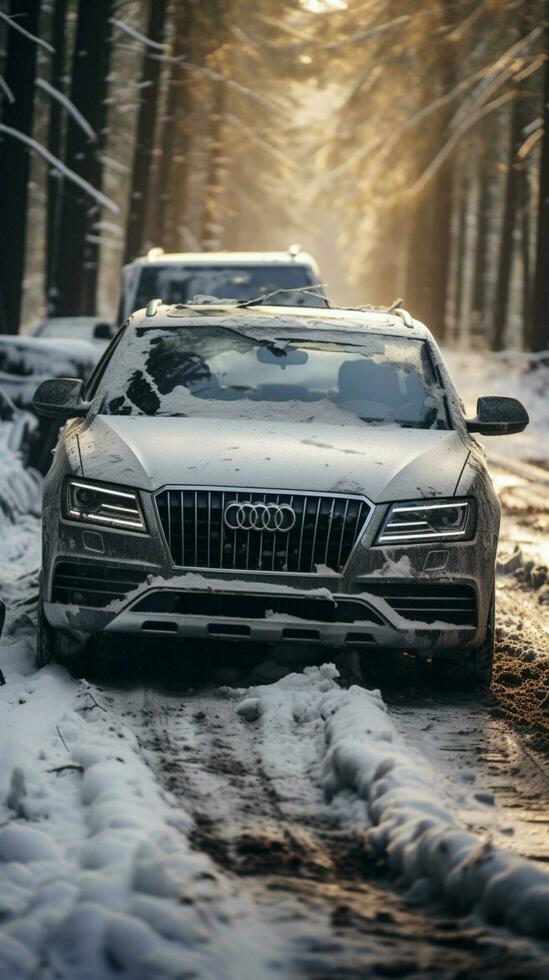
{"x":384,"y":463}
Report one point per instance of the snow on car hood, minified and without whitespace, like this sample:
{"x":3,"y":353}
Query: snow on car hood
{"x":383,"y":462}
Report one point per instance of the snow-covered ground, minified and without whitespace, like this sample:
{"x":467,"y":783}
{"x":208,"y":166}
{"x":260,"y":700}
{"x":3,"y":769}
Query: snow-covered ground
{"x":278,"y":820}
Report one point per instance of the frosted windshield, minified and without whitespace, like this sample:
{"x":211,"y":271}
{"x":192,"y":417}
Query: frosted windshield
{"x":208,"y":370}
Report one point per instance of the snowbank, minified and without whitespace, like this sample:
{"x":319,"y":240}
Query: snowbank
{"x":27,"y":361}
{"x":407,"y":816}
{"x":514,"y":374}
{"x":97,"y":873}
{"x":20,"y":505}
{"x":20,"y":488}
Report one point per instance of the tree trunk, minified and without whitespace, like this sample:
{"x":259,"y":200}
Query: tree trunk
{"x":171,"y":180}
{"x":525,"y":257}
{"x":55,"y":135}
{"x":95,"y":175}
{"x":539,"y":339}
{"x":480,"y":260}
{"x":144,"y":140}
{"x":211,"y":218}
{"x":460,"y":255}
{"x":77,"y":266}
{"x":511,"y":202}
{"x":430,"y":238}
{"x":416,"y":294}
{"x":14,"y":160}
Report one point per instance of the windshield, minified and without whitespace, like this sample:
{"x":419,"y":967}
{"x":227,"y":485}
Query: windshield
{"x":177,"y":284}
{"x":209,"y":370}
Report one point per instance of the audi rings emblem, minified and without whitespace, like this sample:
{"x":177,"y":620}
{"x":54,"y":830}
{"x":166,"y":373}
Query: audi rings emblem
{"x":247,"y":516}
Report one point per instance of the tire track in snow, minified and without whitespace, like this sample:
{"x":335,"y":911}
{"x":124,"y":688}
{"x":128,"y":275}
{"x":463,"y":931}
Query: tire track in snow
{"x":335,"y":909}
{"x":483,"y":760}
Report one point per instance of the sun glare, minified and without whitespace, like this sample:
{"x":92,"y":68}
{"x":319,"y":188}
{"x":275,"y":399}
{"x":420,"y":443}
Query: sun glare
{"x":323,"y":6}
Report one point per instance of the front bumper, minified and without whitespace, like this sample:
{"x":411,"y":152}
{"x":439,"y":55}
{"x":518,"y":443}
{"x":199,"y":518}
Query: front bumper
{"x":276,"y":615}
{"x":328,"y":609}
{"x":276,"y":628}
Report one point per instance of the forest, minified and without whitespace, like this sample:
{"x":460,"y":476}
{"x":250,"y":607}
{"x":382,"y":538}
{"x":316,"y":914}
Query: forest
{"x":404,"y":142}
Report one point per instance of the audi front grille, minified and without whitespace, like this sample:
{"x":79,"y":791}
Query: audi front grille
{"x":324,"y":533}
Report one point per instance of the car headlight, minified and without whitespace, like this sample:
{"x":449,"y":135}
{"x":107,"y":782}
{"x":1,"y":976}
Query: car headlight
{"x":97,"y":504}
{"x":424,"y":520}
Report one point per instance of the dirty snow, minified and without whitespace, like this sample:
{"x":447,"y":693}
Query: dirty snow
{"x":97,"y":875}
{"x":397,"y":798}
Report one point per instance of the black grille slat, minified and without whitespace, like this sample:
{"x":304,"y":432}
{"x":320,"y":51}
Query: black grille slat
{"x":326,"y":529}
{"x":92,"y":583}
{"x":428,"y":602}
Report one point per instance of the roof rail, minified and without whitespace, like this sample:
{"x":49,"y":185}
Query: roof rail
{"x":155,"y":253}
{"x":404,"y":315}
{"x":152,"y":307}
{"x":294,"y":250}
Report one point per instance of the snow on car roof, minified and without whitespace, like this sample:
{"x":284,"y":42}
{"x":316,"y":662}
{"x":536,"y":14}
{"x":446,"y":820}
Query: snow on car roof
{"x":224,"y":258}
{"x":376,"y":320}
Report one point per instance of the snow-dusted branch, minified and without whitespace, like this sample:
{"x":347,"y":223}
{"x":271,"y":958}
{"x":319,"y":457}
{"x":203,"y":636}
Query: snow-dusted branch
{"x":267,"y":147}
{"x":58,"y":165}
{"x":229,"y":82}
{"x":137,"y":36}
{"x":497,"y":73}
{"x":68,"y":106}
{"x":7,"y":90}
{"x":31,"y":37}
{"x":454,"y":139}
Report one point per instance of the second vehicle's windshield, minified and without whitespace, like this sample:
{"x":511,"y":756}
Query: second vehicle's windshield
{"x":210,"y":370}
{"x":176,"y":284}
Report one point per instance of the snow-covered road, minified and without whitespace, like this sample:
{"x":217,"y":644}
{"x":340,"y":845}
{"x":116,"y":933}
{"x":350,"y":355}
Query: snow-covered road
{"x":274,"y":820}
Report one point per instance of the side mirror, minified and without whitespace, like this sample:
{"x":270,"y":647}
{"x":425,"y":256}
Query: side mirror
{"x":102,"y":331}
{"x":60,"y":398}
{"x":498,"y":416}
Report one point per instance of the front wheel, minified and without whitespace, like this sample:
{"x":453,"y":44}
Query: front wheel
{"x":473,"y":668}
{"x":58,"y":646}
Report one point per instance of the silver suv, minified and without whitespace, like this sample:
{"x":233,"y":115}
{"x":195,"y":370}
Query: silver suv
{"x":272,"y":474}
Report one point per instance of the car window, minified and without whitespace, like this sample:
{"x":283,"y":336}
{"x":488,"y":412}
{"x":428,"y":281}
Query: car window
{"x":209,"y":370}
{"x":176,"y":284}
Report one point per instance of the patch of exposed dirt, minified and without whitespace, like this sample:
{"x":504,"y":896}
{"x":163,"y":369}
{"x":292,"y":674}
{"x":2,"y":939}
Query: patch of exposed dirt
{"x":520,"y":687}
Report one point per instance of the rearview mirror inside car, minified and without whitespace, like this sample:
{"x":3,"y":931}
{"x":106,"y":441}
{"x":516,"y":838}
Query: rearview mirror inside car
{"x":282,"y":357}
{"x":60,"y":398}
{"x":498,"y":416}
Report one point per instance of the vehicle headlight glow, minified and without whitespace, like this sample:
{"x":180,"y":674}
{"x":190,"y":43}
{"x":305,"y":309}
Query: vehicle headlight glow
{"x":425,"y":520}
{"x":97,"y":504}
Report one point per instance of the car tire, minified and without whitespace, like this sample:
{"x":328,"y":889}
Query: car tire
{"x":57,"y":646}
{"x":474,"y":667}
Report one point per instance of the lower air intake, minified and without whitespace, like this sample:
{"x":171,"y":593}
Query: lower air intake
{"x":428,"y":602}
{"x":93,"y":583}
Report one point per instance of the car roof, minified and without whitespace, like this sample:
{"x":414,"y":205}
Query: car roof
{"x":158,"y":257}
{"x":398,"y":321}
